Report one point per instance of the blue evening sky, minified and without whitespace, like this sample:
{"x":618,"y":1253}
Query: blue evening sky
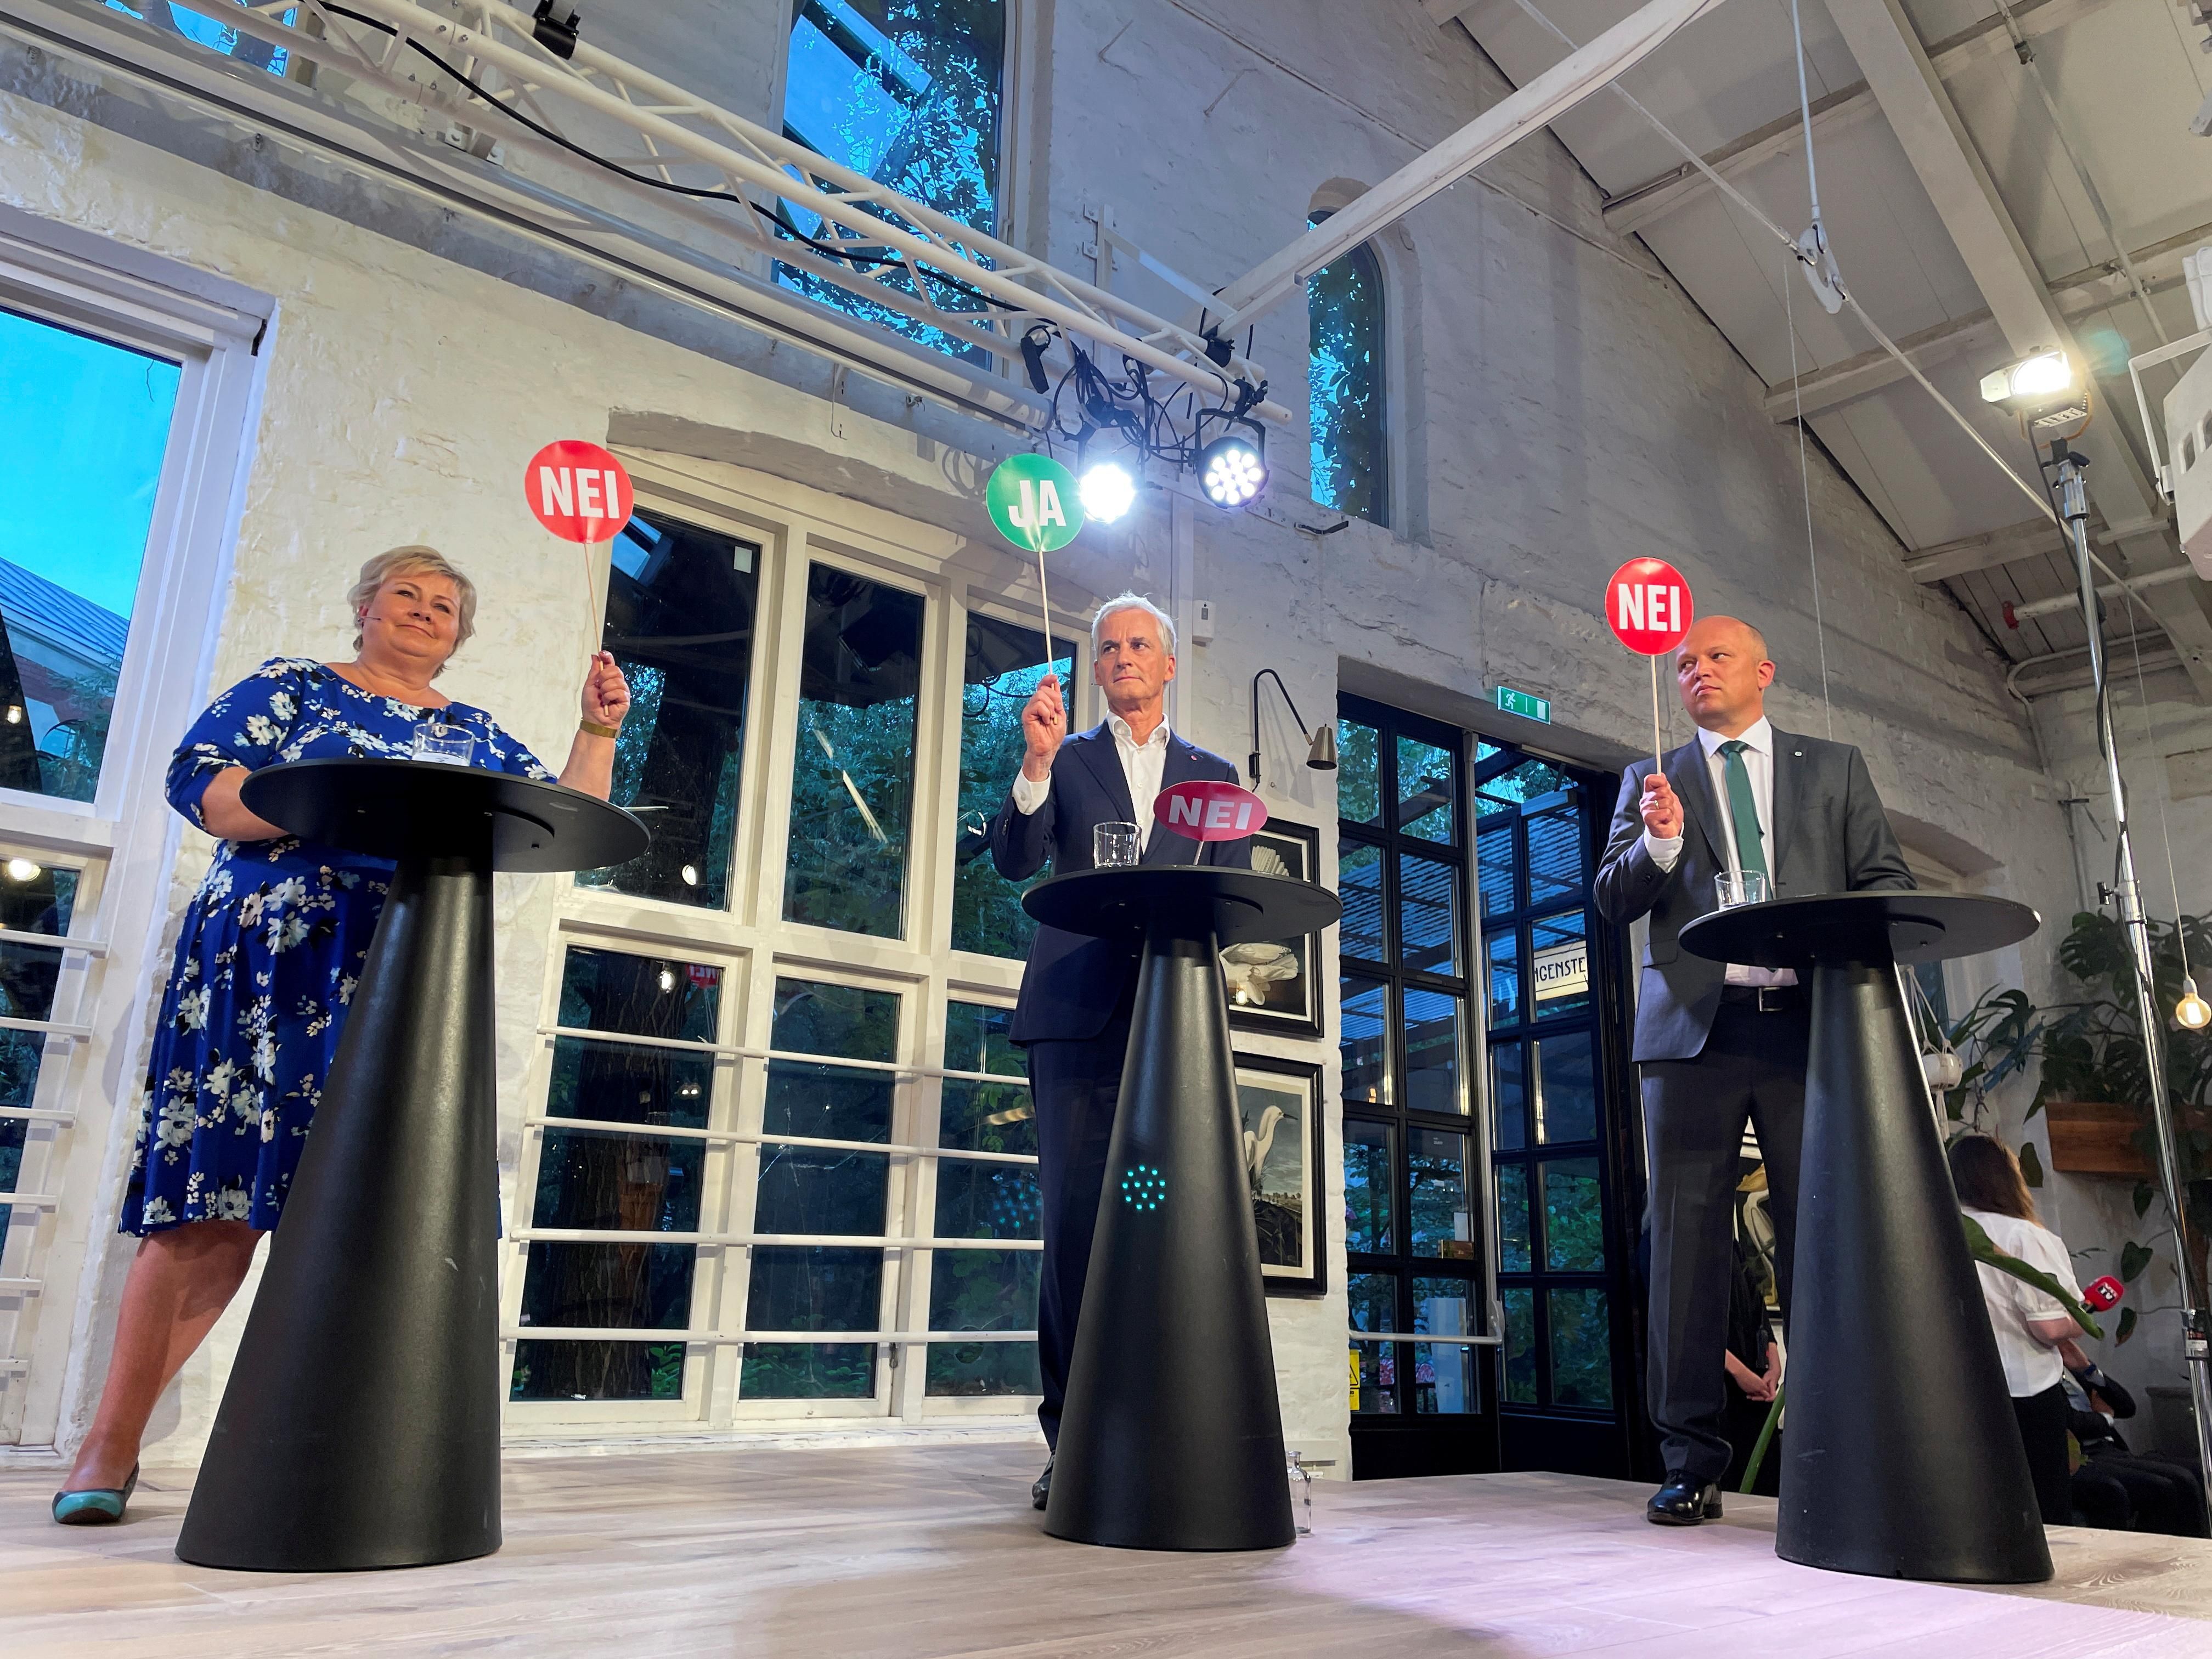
{"x":82,"y":428}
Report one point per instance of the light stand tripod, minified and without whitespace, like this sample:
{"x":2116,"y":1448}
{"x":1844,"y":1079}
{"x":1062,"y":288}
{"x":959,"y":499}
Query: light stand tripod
{"x":2196,"y":1332}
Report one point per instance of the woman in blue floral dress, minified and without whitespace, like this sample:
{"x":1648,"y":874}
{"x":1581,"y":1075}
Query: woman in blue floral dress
{"x":272,"y":947}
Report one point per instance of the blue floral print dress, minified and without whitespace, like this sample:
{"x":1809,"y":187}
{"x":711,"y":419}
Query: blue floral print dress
{"x":270,"y":950}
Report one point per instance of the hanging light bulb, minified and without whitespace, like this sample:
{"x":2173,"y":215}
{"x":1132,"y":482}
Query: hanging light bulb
{"x":2192,"y":1010}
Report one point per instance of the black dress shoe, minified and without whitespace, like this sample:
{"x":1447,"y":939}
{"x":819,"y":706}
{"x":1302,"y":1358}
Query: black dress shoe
{"x":1041,"y":1493}
{"x":1683,"y":1502}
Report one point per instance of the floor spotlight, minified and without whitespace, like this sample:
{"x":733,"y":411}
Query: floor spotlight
{"x":2043,"y":389}
{"x":1232,"y":469}
{"x":1107,"y":492}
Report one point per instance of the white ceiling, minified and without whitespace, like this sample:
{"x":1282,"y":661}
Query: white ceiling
{"x":2127,"y":77}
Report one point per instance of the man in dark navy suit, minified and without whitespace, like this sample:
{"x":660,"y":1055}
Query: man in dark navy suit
{"x":1077,"y":994}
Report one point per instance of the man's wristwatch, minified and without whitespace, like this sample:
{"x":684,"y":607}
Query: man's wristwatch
{"x":594,"y":729}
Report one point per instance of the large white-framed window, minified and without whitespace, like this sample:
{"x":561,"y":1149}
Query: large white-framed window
{"x":129,"y":407}
{"x":777,"y":1161}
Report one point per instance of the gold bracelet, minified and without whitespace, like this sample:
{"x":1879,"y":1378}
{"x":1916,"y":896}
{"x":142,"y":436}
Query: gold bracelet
{"x":595,"y":730}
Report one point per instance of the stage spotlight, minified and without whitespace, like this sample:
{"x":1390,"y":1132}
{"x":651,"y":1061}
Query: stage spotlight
{"x":2043,"y":389}
{"x":1232,"y":470}
{"x":21,"y":869}
{"x":2192,"y":1010}
{"x":1107,"y":492}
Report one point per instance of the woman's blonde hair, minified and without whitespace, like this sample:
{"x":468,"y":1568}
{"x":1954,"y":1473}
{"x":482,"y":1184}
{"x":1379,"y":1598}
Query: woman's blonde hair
{"x":416,"y":561}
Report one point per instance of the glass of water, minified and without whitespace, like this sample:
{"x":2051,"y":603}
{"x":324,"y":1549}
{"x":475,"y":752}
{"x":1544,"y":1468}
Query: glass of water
{"x":1114,"y":846}
{"x":1749,"y":888}
{"x":444,"y":744}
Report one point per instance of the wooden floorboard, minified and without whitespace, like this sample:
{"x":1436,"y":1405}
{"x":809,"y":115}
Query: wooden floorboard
{"x":908,"y":1553}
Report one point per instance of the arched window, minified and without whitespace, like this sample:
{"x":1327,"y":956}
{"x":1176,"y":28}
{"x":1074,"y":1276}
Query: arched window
{"x":1350,"y":448}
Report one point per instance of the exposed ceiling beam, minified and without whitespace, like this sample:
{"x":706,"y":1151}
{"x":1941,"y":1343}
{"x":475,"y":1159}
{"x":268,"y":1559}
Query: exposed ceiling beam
{"x":2031,"y":538}
{"x":2068,"y":671}
{"x":1441,"y":12}
{"x":1632,"y":209}
{"x":1934,"y":140}
{"x":2080,"y":294}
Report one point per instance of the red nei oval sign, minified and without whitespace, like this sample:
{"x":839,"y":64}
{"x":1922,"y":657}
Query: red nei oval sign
{"x":1205,"y":809}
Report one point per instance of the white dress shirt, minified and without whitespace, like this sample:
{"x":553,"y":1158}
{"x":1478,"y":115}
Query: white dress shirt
{"x":1143,"y":764}
{"x":1758,"y":739}
{"x":2031,"y":1366}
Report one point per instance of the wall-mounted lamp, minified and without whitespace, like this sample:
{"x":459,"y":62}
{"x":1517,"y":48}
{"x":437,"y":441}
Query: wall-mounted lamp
{"x":1321,"y":751}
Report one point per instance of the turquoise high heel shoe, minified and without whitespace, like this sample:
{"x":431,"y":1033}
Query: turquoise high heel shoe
{"x":94,"y":1506}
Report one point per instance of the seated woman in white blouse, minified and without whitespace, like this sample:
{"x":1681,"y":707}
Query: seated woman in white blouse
{"x":2034,"y":1330}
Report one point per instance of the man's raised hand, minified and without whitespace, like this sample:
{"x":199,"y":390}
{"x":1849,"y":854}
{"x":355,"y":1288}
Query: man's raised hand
{"x":1662,"y":808}
{"x":1044,"y":726}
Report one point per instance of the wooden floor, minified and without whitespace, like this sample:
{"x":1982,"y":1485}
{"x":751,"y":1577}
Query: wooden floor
{"x":901,"y":1552}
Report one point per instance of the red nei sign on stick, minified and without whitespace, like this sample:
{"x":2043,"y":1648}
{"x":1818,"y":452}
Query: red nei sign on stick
{"x":581,"y":493}
{"x":1648,"y":606}
{"x":1208,"y":809}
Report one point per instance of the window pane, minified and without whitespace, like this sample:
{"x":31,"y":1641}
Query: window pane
{"x":1364,"y":1041}
{"x":985,"y":1201}
{"x":625,"y":1184}
{"x":37,"y":903}
{"x":843,"y":1021}
{"x":89,"y":421}
{"x":1444,"y":1306}
{"x":597,"y":1370}
{"x":801,"y":1289}
{"x":1428,"y":791}
{"x":1502,"y":950}
{"x":1002,"y":671}
{"x":984,"y":1290}
{"x":1582,"y":1349}
{"x":851,"y":781}
{"x":1373,"y":1298}
{"x":1566,"y":1088}
{"x":1428,"y":916}
{"x":1443,"y":1378}
{"x":1530,"y":780}
{"x":1574,"y":1230}
{"x":1560,"y":962}
{"x":1513,"y":1249}
{"x":639,"y":996}
{"x":1508,"y":1098}
{"x":982,"y":1368}
{"x":1520,"y":1345}
{"x":1439,"y":1214}
{"x":1344,"y":319}
{"x":645,"y":996}
{"x":1367,"y":1185}
{"x":1378,"y":1377}
{"x":1358,"y":773}
{"x":1493,"y":853}
{"x":1360,"y":884}
{"x":682,"y":603}
{"x":617,"y":1284}
{"x":1555,"y":855}
{"x":1433,"y":1052}
{"x":908,"y":91}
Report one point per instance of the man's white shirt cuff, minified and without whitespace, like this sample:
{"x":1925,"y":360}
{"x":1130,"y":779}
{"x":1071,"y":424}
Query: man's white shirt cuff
{"x":1030,"y":794}
{"x":1661,"y":853}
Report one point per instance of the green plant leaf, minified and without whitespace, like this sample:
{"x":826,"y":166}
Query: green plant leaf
{"x":2144,"y":1196}
{"x":2031,"y":1165}
{"x":2133,"y":1258}
{"x":2127,"y":1325}
{"x":1980,"y":1246}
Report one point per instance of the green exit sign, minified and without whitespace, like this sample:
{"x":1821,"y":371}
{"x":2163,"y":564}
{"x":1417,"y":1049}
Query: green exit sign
{"x":1521,"y":703}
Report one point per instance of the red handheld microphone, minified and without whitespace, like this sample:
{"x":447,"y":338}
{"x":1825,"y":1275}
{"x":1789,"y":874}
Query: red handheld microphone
{"x":2104,"y":1294}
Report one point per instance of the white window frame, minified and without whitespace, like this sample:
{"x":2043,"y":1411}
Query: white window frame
{"x":124,"y":841}
{"x":794,"y":526}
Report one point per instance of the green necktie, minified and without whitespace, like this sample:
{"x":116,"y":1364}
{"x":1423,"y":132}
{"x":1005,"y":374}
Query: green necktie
{"x":1743,"y":812}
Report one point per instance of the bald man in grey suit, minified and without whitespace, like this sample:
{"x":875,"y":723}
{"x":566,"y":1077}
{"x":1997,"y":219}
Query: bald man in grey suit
{"x":1722,"y":1044}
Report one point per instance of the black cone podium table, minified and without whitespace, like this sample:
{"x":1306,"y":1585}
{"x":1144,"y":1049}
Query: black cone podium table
{"x":1171,"y":1437}
{"x":361,"y":1424}
{"x":1902,"y":1458}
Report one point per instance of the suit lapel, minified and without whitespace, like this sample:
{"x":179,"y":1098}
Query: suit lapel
{"x":1165,"y":845}
{"x":1788,"y":781}
{"x":1693,"y":781}
{"x":1096,"y":749}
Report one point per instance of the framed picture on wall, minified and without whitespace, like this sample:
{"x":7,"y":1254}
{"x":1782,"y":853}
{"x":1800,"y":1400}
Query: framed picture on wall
{"x":1279,"y":1102}
{"x":1270,"y":986}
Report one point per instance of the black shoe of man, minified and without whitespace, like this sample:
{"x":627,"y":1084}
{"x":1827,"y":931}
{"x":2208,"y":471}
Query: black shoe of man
{"x":1041,"y":1493}
{"x":1683,"y":1502}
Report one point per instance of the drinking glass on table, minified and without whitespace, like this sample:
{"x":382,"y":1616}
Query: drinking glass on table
{"x":1749,"y":888}
{"x":443,"y":743}
{"x":1114,"y":846}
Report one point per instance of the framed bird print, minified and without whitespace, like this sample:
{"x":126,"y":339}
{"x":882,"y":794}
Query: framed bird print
{"x":1279,"y":1103}
{"x":1271,"y":985}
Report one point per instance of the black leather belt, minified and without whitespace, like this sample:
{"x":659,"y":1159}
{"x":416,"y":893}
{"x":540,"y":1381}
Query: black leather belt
{"x":1765,"y":998}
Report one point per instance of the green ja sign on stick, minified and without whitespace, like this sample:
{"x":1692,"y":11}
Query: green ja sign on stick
{"x":1033,"y":501}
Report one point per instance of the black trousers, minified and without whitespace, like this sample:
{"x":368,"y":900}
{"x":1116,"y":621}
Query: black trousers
{"x":2043,"y":1433}
{"x":1753,"y":1070}
{"x":1074,"y":1087}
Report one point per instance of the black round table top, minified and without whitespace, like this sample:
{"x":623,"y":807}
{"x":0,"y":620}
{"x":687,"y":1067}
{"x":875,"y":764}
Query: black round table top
{"x":392,"y":809}
{"x":1836,"y":928}
{"x":1239,"y":906}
